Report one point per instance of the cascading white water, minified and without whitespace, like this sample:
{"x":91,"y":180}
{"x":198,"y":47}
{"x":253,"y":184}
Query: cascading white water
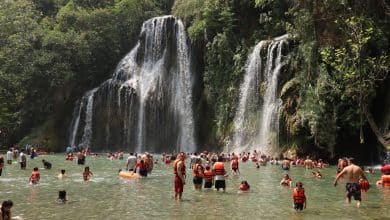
{"x":257,"y":116}
{"x":147,"y":104}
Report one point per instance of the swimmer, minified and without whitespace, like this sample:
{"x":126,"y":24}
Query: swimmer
{"x":286,"y":181}
{"x":286,"y":164}
{"x":35,"y":176}
{"x":62,"y":175}
{"x":317,"y":174}
{"x":385,"y":179}
{"x":87,"y":174}
{"x":352,"y":173}
{"x":46,"y":164}
{"x":244,"y":186}
{"x":61,"y":197}
{"x":299,"y":197}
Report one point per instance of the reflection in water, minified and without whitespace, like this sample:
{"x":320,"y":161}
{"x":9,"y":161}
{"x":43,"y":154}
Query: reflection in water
{"x":107,"y":196}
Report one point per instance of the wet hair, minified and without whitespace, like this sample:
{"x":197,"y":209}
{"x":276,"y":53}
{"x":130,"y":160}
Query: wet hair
{"x":62,"y":171}
{"x":7,"y":203}
{"x":62,"y":194}
{"x":299,"y":183}
{"x":352,"y":160}
{"x":35,"y":169}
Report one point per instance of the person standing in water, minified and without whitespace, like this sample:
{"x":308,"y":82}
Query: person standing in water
{"x":352,"y":173}
{"x":299,"y":197}
{"x":179,"y":170}
{"x":220,"y":172}
{"x":22,"y":160}
{"x":62,"y":175}
{"x":87,"y":174}
{"x":35,"y":176}
{"x":198,"y":174}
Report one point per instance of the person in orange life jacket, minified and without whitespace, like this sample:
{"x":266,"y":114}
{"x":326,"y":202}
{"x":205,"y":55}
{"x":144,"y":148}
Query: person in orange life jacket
{"x":234,"y":165}
{"x":198,"y":174}
{"x":220,"y":172}
{"x":142,"y":166}
{"x":299,"y":197}
{"x":35,"y":176}
{"x":179,"y":169}
{"x":244,"y":186}
{"x":385,"y":179}
{"x":208,"y":176}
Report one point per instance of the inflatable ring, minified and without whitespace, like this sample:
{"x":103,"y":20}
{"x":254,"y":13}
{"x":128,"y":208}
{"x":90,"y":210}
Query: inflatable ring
{"x":129,"y":175}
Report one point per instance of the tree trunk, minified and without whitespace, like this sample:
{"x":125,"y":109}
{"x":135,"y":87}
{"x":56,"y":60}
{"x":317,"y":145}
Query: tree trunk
{"x":374,"y":127}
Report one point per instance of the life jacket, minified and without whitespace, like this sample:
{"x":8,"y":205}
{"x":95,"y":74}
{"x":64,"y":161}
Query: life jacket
{"x":364,"y":185}
{"x":235,"y":164}
{"x":219,"y":168}
{"x":299,"y":196}
{"x":386,"y":180}
{"x":183,"y":170}
{"x":196,"y":170}
{"x":167,"y":161}
{"x":208,"y":175}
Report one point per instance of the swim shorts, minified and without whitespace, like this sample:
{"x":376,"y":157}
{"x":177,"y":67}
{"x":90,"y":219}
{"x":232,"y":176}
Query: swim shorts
{"x":353,"y":189}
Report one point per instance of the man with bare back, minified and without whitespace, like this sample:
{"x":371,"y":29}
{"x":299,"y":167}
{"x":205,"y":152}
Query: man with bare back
{"x":352,"y":173}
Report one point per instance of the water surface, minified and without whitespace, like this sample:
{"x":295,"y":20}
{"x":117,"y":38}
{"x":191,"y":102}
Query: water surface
{"x":107,"y":196}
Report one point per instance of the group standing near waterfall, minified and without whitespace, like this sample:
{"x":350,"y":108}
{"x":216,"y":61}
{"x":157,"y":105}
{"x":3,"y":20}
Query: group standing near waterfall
{"x":210,"y":169}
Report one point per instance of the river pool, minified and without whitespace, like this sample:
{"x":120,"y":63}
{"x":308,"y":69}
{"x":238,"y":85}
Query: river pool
{"x":107,"y":196}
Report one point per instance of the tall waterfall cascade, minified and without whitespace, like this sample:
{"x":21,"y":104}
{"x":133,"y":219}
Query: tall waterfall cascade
{"x":256,"y":122}
{"x":147,"y":103}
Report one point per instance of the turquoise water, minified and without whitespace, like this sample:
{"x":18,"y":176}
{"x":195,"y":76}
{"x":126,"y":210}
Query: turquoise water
{"x":107,"y":196}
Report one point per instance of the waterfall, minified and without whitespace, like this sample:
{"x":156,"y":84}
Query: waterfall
{"x":147,"y":103}
{"x":256,"y":121}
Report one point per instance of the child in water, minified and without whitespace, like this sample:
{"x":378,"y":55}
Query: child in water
{"x":35,"y":176}
{"x":244,"y":186}
{"x":87,"y":174}
{"x":299,"y":197}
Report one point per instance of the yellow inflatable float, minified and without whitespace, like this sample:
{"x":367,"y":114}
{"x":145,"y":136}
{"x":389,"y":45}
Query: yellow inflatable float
{"x":129,"y":175}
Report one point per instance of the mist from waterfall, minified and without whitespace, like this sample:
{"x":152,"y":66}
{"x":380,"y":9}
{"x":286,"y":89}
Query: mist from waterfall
{"x":147,"y":104}
{"x":256,"y":121}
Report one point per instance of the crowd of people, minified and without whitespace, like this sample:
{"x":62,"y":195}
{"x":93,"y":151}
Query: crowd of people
{"x":208,"y":170}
